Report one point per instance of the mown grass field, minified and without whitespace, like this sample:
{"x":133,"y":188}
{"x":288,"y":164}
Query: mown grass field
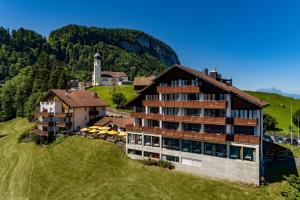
{"x":105,"y":93}
{"x":280,"y":108}
{"x":82,"y":168}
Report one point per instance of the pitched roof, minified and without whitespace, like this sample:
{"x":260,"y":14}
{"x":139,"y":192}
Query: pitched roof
{"x":143,"y":81}
{"x":118,"y":121}
{"x":223,"y":86}
{"x":81,"y":98}
{"x":114,"y":74}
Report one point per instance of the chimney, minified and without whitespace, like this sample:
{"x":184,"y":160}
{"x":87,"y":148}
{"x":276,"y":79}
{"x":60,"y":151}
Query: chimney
{"x":205,"y":71}
{"x":213,"y":74}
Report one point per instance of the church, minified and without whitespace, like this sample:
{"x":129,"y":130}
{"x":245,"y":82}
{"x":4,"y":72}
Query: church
{"x":107,"y":78}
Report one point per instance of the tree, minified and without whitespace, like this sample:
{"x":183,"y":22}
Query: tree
{"x":119,"y":99}
{"x":270,"y":123}
{"x":296,"y":116}
{"x":291,"y":189}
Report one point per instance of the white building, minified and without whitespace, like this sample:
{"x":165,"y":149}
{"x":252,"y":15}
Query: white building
{"x":107,"y":78}
{"x":62,"y":110}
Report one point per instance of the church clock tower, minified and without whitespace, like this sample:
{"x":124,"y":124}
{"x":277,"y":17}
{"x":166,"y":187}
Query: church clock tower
{"x":97,"y":70}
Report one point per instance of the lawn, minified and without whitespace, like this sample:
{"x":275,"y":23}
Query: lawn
{"x":280,"y":108}
{"x":105,"y":93}
{"x":295,"y":150}
{"x":82,"y":168}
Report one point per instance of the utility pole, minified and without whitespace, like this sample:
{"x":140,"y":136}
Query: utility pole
{"x":291,"y":123}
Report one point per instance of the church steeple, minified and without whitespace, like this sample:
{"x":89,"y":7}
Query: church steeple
{"x":97,"y":70}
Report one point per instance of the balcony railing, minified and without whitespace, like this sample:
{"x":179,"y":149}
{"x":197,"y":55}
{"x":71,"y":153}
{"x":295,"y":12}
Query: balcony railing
{"x":253,"y":139}
{"x":216,"y":137}
{"x":214,"y":104}
{"x":40,"y":132}
{"x":178,"y":89}
{"x":57,"y":115}
{"x":244,"y":122}
{"x":45,"y":124}
{"x":63,"y":124}
{"x":93,"y":112}
{"x":185,"y":118}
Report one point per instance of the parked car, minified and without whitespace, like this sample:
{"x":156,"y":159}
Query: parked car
{"x":267,"y":138}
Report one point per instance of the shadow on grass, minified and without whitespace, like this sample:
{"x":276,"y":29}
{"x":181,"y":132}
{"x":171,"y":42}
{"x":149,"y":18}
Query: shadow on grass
{"x":280,"y":162}
{"x":2,"y":135}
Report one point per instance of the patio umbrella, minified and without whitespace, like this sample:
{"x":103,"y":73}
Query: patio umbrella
{"x":122,"y":133}
{"x":93,"y":131}
{"x":102,"y":132}
{"x":112,"y":132}
{"x":94,"y":127}
{"x":103,"y":127}
{"x":84,"y":129}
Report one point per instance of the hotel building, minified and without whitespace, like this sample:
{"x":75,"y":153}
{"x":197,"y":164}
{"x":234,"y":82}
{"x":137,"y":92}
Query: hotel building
{"x":201,"y":123}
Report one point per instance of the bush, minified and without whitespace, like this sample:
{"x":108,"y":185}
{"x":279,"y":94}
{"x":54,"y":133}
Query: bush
{"x":291,"y":190}
{"x":119,"y":99}
{"x":159,"y":163}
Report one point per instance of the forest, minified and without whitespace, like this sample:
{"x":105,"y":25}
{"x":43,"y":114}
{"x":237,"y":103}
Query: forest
{"x":31,"y":64}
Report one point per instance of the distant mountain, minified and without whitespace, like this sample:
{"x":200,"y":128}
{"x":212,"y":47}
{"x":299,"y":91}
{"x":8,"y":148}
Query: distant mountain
{"x":280,"y":92}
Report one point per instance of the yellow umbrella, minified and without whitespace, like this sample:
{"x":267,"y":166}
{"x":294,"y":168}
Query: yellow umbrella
{"x":93,"y":131}
{"x":84,"y":129}
{"x":94,"y":127}
{"x":102,"y":132}
{"x":122,"y":133}
{"x":112,"y":132}
{"x":103,"y":128}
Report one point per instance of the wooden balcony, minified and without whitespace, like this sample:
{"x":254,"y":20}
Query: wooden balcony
{"x":57,"y":115}
{"x":244,"y":122}
{"x":252,"y":139}
{"x":45,"y":124}
{"x":186,"y":118}
{"x":63,"y":115}
{"x":186,"y":104}
{"x":177,"y":89}
{"x":215,"y":137}
{"x":63,"y":124}
{"x":43,"y":114}
{"x":93,"y":112}
{"x":40,"y":132}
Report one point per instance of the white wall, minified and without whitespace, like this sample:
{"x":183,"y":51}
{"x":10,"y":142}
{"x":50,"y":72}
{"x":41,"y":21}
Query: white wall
{"x":80,"y":117}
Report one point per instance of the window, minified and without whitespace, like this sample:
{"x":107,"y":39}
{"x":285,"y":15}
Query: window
{"x":208,"y":149}
{"x":249,"y":154}
{"x":147,"y":140}
{"x":138,"y":121}
{"x":186,"y":146}
{"x":153,"y":109}
{"x":151,"y":155}
{"x":214,"y":129}
{"x":170,"y":158}
{"x":155,"y":141}
{"x":192,"y":111}
{"x":170,"y":143}
{"x":221,"y":150}
{"x":215,"y":112}
{"x":170,"y":125}
{"x":191,"y":127}
{"x":135,"y":152}
{"x":196,"y":147}
{"x":152,"y":123}
{"x":170,"y":111}
{"x":235,"y":152}
{"x":247,"y":130}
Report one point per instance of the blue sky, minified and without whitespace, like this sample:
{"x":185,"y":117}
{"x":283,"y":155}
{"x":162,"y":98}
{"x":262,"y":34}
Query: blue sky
{"x":255,"y":42}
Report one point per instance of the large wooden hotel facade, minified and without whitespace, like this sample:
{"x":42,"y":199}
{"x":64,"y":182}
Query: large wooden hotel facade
{"x":201,"y":123}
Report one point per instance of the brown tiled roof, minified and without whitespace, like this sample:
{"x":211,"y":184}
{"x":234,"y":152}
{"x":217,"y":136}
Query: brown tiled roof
{"x":225,"y":87}
{"x":143,"y":81}
{"x":114,"y":74}
{"x":82,"y":98}
{"x":118,"y":121}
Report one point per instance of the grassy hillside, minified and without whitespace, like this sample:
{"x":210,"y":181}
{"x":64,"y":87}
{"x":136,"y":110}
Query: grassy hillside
{"x":105,"y":93}
{"x":280,"y":108}
{"x":82,"y":168}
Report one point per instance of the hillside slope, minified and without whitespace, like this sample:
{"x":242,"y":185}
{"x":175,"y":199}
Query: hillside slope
{"x":82,"y":168}
{"x":280,"y":108}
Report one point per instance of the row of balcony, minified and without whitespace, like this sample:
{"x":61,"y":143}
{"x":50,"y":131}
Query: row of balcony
{"x":210,"y":104}
{"x":196,"y":119}
{"x":57,"y":124}
{"x":40,"y":132}
{"x":61,"y":115}
{"x":178,"y":89}
{"x":215,"y":137}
